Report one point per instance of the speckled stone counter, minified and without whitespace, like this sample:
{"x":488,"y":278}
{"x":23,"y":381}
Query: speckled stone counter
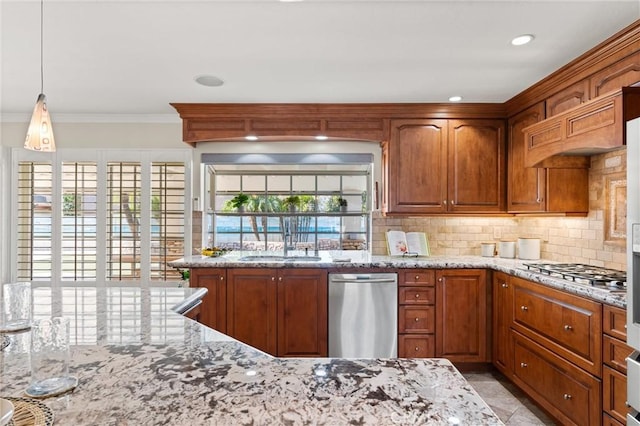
{"x":140,"y":363}
{"x":363,"y":260}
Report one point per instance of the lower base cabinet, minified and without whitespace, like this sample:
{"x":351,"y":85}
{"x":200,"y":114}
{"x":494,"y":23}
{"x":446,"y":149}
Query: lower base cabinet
{"x":567,"y":392}
{"x":462,"y":315}
{"x":280,"y":311}
{"x":213,"y":310}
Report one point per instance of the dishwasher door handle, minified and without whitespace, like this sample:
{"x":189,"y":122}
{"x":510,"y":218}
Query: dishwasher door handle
{"x":364,"y":281}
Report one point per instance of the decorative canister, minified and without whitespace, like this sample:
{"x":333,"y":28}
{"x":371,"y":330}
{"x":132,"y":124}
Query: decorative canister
{"x":529,"y":248}
{"x":507,"y":249}
{"x":488,"y":249}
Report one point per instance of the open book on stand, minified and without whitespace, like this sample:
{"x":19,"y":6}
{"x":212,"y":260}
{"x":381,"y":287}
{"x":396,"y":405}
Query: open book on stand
{"x":402,"y":243}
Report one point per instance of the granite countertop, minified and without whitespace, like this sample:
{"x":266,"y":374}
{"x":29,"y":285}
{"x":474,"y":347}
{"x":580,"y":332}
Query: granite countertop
{"x":140,"y":363}
{"x":359,"y":259}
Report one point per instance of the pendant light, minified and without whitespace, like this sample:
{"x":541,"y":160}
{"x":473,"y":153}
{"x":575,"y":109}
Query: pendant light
{"x":40,"y":131}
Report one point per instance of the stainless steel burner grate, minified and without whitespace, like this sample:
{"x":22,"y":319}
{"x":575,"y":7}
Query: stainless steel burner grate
{"x":581,"y":273}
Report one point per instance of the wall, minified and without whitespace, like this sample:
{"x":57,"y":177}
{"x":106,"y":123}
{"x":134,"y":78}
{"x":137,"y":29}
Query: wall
{"x":564,"y":239}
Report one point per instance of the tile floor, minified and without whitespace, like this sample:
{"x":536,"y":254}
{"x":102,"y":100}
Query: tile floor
{"x":506,"y":400}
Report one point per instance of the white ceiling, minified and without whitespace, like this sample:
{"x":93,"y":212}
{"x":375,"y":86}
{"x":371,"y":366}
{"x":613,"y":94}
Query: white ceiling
{"x":135,"y":57}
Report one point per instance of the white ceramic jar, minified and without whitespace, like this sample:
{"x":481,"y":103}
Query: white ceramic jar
{"x":507,"y":249}
{"x":529,"y":248}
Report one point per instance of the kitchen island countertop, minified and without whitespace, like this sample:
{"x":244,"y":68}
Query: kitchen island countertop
{"x":140,"y":363}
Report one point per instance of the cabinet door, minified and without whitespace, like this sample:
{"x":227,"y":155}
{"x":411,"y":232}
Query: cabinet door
{"x":625,"y":72}
{"x":526,"y":187}
{"x":461,"y":315}
{"x":417,"y":179}
{"x":568,"y":98}
{"x":302,"y":312}
{"x":502,"y":318}
{"x":213,"y":309}
{"x":251,"y":307}
{"x":476,"y":166}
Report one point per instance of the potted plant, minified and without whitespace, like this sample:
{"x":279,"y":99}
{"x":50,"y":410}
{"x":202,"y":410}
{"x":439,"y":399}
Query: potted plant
{"x":239,"y":201}
{"x":343,"y":204}
{"x":292,"y":202}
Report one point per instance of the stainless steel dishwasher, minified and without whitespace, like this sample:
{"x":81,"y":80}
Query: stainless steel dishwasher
{"x":363,"y":315}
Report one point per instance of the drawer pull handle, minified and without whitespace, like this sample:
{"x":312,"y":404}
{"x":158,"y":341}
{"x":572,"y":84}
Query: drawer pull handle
{"x":523,"y":364}
{"x":567,"y":396}
{"x":417,"y":295}
{"x":505,"y":285}
{"x":417,"y":348}
{"x":417,"y":319}
{"x":568,"y":327}
{"x":524,"y":308}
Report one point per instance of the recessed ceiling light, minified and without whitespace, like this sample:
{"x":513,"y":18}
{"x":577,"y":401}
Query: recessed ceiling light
{"x":322,"y":137}
{"x":455,"y":98}
{"x":522,"y":39}
{"x":251,"y":138}
{"x":209,"y":80}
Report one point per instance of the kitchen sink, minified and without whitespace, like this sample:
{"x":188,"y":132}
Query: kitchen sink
{"x":269,"y":258}
{"x":262,"y":259}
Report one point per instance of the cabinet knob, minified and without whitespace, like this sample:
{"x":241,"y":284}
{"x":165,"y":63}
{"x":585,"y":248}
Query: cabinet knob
{"x":417,"y":277}
{"x":444,"y":202}
{"x":221,"y":278}
{"x":505,"y":285}
{"x":567,"y":396}
{"x":524,"y":308}
{"x":538,"y":200}
{"x":417,"y":295}
{"x":417,"y":319}
{"x":273,"y":278}
{"x":568,"y":327}
{"x":523,"y":364}
{"x":453,"y":203}
{"x":417,"y":349}
{"x":439,"y":280}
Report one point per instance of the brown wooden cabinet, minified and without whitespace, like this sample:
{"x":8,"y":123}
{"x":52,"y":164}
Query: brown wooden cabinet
{"x":280,"y":311}
{"x":531,"y":189}
{"x":567,"y":392}
{"x":614,"y":370}
{"x":251,"y":307}
{"x":302,"y":312}
{"x":462,"y":320}
{"x":625,"y":72}
{"x":416,"y":313}
{"x":213,"y":311}
{"x":446,"y":166}
{"x":567,"y":98}
{"x":568,"y":325}
{"x":502,"y":319}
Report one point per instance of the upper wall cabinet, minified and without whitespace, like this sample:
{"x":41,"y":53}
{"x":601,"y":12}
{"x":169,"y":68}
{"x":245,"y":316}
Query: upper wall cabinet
{"x":540,"y":190}
{"x":445,"y":166}
{"x":625,"y":72}
{"x":568,"y":98}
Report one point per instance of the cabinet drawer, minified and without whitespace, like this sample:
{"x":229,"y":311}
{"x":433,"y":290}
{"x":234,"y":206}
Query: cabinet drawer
{"x":417,"y":277}
{"x":568,"y":325}
{"x":615,"y":353}
{"x":416,"y":346}
{"x":417,"y":295}
{"x":567,"y":392}
{"x":416,"y":319}
{"x":614,"y":391}
{"x":614,"y":322}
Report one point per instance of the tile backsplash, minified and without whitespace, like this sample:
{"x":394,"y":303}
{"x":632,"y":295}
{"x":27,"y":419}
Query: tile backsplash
{"x":563,"y":239}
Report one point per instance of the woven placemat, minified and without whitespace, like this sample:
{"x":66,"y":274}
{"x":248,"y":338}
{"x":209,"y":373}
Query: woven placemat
{"x":29,"y":412}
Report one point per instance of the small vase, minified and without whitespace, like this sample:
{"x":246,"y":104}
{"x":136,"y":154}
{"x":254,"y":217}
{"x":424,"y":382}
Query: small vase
{"x":343,"y":209}
{"x":240,"y":209}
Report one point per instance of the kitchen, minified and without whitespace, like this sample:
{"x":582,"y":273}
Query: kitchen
{"x":565,"y":239}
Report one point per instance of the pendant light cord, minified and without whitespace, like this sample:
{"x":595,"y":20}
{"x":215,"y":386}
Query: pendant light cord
{"x":41,"y":46}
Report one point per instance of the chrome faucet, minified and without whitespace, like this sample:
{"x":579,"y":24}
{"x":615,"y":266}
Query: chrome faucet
{"x":287,"y":236}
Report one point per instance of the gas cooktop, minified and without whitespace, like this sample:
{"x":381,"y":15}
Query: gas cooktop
{"x":608,"y":279}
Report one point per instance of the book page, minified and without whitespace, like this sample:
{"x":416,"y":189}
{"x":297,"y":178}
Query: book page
{"x":397,"y":243}
{"x":417,"y":243}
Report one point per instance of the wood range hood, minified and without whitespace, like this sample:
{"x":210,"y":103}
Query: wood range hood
{"x":568,"y":139}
